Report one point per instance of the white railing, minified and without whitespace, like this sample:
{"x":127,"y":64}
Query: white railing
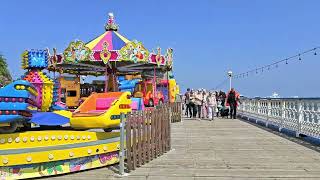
{"x":299,"y":115}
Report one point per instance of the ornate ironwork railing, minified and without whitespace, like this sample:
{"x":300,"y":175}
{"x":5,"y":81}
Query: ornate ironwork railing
{"x":301,"y":115}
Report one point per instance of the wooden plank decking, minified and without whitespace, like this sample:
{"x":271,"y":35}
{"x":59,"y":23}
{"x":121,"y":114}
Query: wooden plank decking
{"x":222,"y":149}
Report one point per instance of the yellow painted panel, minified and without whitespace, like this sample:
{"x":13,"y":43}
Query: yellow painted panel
{"x":56,"y":155}
{"x":58,"y":167}
{"x":104,"y":120}
{"x":34,"y":139}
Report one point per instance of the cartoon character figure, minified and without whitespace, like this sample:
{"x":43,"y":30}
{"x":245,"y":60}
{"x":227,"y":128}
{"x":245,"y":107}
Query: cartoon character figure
{"x":169,"y":56}
{"x":158,"y":56}
{"x":134,"y":51}
{"x":131,"y":53}
{"x":76,"y":51}
{"x":72,"y":52}
{"x":140,"y":52}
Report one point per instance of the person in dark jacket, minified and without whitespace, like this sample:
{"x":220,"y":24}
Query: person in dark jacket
{"x":222,"y":97}
{"x":232,"y":100}
{"x":188,"y":104}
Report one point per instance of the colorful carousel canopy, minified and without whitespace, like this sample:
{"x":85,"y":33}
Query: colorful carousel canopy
{"x":114,"y":40}
{"x":109,"y":50}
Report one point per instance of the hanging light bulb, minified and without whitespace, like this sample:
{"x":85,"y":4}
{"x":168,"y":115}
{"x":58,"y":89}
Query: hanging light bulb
{"x":299,"y":58}
{"x":268,"y":67}
{"x":286,"y":61}
{"x":256,"y":71}
{"x":315,"y":52}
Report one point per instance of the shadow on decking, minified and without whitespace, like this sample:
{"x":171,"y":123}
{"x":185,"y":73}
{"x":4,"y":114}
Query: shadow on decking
{"x":306,"y":141}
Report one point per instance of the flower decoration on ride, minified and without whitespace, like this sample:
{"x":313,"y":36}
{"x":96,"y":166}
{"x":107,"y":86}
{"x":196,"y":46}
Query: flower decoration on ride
{"x":105,"y":54}
{"x":134,"y":51}
{"x":76,"y":51}
{"x":169,"y":58}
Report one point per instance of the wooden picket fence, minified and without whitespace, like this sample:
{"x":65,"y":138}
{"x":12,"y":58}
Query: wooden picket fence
{"x":176,"y":111}
{"x":147,"y":135}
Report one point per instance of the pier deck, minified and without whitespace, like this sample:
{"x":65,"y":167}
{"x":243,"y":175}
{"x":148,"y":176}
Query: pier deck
{"x":223,"y":149}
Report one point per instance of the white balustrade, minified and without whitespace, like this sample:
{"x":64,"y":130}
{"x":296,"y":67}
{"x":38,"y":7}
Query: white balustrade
{"x":300,"y":115}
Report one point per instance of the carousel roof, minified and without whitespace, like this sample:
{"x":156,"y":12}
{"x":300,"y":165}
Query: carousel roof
{"x":114,"y":40}
{"x":109,"y":50}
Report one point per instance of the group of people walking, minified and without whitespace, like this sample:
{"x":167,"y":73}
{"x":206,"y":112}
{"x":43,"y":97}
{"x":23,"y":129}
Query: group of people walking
{"x":208,"y":104}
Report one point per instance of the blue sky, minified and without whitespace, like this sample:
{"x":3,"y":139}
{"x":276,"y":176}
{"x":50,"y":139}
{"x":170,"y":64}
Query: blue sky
{"x":209,"y":36}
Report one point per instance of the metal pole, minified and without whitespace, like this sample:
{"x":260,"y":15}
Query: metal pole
{"x":168,"y":87}
{"x":230,"y":78}
{"x":106,"y":80}
{"x":154,"y":84}
{"x":230,"y":82}
{"x":121,"y":153}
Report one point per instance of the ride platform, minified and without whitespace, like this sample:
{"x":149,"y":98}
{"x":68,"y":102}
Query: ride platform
{"x":52,"y":152}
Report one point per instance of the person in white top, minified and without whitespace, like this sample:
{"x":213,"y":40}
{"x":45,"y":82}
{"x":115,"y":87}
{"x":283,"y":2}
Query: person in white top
{"x":204,"y":104}
{"x":198,"y":102}
{"x":212,"y":105}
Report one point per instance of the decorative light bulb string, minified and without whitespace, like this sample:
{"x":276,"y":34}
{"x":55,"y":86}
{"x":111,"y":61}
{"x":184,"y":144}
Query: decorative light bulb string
{"x":276,"y":64}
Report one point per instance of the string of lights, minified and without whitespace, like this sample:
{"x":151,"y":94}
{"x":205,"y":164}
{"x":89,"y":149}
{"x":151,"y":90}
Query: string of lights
{"x":221,"y":84}
{"x":275,"y":64}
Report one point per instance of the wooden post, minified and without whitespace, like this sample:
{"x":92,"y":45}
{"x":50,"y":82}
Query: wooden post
{"x":134,"y":141}
{"x":121,"y":152}
{"x":142,"y":137}
{"x":128,"y":142}
{"x":157,"y":132}
{"x":170,"y":117}
{"x":139,"y":139}
{"x":147,"y":136}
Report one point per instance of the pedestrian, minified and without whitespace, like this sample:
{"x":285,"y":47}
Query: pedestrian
{"x":188,"y":104}
{"x":198,"y":102}
{"x":218,"y":103}
{"x":232,"y":99}
{"x":212,"y":105}
{"x":222,"y":96}
{"x":204,"y":104}
{"x":192,"y":105}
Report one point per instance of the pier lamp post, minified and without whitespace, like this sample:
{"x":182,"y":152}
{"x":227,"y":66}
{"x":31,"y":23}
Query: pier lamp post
{"x":230,"y":78}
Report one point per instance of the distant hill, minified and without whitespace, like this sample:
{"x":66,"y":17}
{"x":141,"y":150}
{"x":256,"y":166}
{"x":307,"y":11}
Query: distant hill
{"x":5,"y":76}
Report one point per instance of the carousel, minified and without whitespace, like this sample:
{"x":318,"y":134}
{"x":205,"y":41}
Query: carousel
{"x":28,"y":150}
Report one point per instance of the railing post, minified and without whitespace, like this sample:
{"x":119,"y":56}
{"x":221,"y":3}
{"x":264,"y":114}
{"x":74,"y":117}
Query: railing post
{"x":258,"y":110}
{"x":268,"y":112}
{"x":300,"y":118}
{"x":122,"y":150}
{"x":283,"y":114}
